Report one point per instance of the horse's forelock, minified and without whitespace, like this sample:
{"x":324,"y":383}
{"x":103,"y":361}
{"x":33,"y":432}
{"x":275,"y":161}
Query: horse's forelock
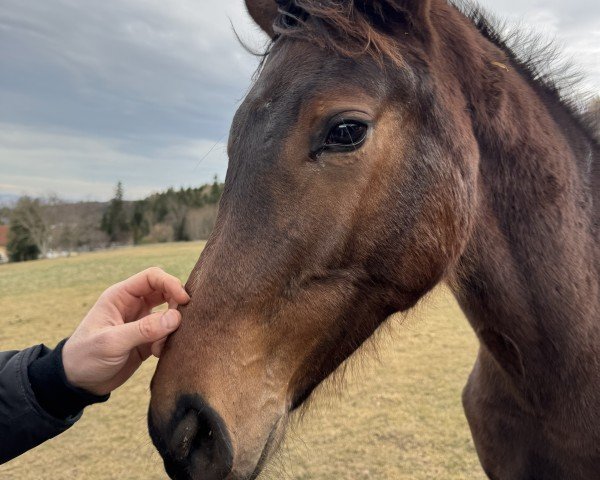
{"x":351,"y":28}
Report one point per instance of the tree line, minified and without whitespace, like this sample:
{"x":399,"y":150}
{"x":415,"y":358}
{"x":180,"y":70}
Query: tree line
{"x":47,"y":227}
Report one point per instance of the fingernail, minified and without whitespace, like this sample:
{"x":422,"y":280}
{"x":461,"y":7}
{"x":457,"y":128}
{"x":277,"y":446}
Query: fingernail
{"x":170,"y":319}
{"x":186,"y":292}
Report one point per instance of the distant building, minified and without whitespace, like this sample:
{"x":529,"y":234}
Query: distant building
{"x":3,"y":243}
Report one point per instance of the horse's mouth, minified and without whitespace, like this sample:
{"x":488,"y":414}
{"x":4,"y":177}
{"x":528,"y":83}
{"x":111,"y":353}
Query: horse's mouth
{"x":270,"y":445}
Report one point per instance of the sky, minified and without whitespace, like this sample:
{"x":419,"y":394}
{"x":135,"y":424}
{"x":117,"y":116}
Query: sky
{"x":143,"y":91}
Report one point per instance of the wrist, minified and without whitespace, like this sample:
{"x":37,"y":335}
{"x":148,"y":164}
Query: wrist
{"x":69,"y":364}
{"x":52,"y":389}
{"x":78,"y":368}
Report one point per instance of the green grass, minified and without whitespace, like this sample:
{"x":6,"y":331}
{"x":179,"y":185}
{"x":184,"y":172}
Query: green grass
{"x":397,"y":414}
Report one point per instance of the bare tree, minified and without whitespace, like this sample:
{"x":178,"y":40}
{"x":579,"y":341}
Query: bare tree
{"x":199,"y":222}
{"x":76,"y":226}
{"x":30,"y":216}
{"x":176,"y":217}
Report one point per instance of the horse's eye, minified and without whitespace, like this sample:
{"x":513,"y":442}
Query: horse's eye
{"x":348,"y":134}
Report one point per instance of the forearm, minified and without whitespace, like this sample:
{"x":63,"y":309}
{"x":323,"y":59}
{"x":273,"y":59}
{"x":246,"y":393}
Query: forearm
{"x":24,"y":422}
{"x":52,"y":390}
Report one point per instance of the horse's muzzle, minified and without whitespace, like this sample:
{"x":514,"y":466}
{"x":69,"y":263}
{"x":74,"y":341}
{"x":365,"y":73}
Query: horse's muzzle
{"x":194,"y":444}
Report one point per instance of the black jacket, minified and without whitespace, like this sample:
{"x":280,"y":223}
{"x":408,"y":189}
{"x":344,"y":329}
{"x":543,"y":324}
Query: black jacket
{"x":36,"y":400}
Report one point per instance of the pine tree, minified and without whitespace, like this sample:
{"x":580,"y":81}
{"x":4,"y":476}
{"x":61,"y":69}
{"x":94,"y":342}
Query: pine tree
{"x":114,"y":220}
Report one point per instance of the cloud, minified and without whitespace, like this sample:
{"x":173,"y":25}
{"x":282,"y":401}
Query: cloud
{"x":139,"y":90}
{"x":123,"y":68}
{"x":87,"y":167}
{"x":136,"y":90}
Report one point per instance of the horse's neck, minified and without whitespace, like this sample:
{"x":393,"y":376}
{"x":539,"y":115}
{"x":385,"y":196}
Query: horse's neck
{"x":529,"y":277}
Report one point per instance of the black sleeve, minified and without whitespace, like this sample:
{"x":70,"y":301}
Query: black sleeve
{"x":53,"y":391}
{"x":24,"y":422}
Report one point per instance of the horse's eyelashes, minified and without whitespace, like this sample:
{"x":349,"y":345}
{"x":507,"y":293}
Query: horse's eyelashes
{"x":347,"y":134}
{"x":342,"y":136}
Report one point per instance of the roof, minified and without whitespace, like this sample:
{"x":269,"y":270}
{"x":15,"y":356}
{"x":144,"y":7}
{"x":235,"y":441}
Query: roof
{"x":4,"y":235}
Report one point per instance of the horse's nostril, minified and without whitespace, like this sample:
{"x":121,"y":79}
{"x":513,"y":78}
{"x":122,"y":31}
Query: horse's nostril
{"x":183,"y":436}
{"x":198,"y":445}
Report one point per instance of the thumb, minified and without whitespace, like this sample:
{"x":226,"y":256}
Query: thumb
{"x":149,"y":329}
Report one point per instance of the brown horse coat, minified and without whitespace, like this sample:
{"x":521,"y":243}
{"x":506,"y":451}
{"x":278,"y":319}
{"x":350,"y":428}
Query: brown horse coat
{"x":386,"y":146}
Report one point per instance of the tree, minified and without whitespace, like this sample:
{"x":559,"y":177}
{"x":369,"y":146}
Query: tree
{"x":176,"y":217}
{"x":140,"y":225}
{"x":4,"y":215}
{"x":199,"y":222}
{"x":216,"y":190}
{"x":20,"y":248}
{"x":29,"y":236}
{"x":114,"y":220}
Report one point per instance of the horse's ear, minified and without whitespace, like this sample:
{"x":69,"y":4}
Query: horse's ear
{"x":263,"y":12}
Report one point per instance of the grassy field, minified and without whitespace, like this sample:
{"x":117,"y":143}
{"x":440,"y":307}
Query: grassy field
{"x":398,"y":415}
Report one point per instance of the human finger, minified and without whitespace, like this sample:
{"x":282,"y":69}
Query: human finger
{"x":147,"y":330}
{"x":157,"y":347}
{"x":154,"y":281}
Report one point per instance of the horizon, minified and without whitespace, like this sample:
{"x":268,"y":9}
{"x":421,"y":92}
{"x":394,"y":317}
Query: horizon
{"x":10,"y":199}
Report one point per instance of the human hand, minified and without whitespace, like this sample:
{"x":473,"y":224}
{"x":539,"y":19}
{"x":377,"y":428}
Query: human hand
{"x":120,"y":332}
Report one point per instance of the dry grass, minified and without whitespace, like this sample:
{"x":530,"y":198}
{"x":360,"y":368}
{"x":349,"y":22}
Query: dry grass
{"x":397,"y":417}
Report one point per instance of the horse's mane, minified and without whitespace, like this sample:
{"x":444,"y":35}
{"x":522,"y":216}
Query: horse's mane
{"x":346,"y":28}
{"x":540,"y":61}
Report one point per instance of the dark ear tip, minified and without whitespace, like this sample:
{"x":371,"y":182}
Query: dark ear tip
{"x":263,"y":12}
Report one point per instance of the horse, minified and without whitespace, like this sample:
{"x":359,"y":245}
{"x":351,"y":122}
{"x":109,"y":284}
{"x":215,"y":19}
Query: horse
{"x":386,"y":146}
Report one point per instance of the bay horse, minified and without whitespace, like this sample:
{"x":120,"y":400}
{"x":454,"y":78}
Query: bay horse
{"x":387,"y":146}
